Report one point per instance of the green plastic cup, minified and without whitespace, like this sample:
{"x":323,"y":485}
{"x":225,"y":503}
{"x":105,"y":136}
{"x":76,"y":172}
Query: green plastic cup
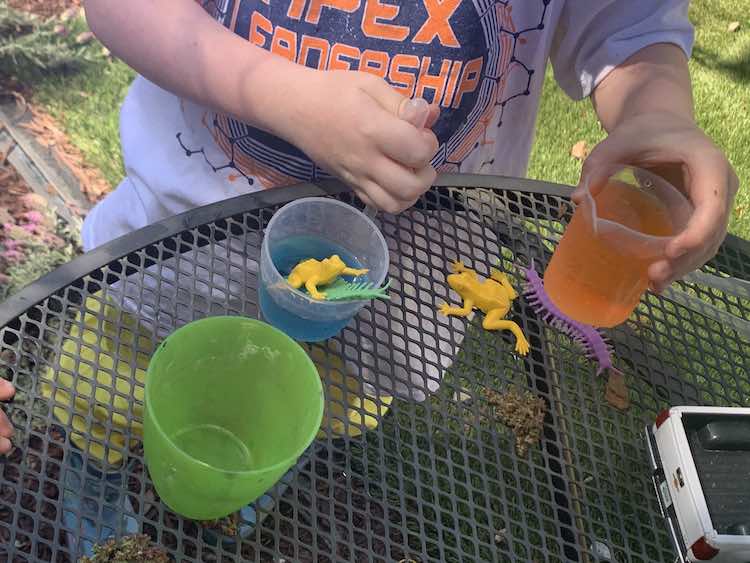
{"x":231,"y":405}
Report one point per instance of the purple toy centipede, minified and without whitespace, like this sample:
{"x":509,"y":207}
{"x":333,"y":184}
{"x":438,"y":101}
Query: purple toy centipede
{"x":590,"y":339}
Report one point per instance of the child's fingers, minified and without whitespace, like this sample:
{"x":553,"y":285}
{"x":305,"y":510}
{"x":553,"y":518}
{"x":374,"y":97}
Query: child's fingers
{"x":365,"y":198}
{"x":660,"y":275}
{"x":597,"y":167}
{"x":383,"y":93}
{"x":710,"y":176}
{"x":6,"y":428}
{"x":415,"y":112}
{"x":393,"y":187}
{"x":382,"y":199}
{"x":6,"y":390}
{"x":403,"y":184}
{"x":433,"y":116}
{"x":710,"y":193}
{"x":401,"y":125}
{"x":404,"y":143}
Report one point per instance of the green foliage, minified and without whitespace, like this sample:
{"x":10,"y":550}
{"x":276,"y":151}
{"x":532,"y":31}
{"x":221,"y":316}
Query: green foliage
{"x":28,"y":45}
{"x":40,"y":262}
{"x":41,"y":254}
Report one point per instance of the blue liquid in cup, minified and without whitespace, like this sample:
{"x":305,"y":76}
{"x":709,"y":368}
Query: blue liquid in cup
{"x":286,"y":254}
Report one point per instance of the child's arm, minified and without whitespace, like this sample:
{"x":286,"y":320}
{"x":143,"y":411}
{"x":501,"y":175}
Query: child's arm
{"x":654,"y":80}
{"x":6,"y":430}
{"x":646,"y":106}
{"x":352,"y":124}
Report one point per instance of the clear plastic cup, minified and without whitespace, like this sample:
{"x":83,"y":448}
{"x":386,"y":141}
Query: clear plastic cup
{"x":599,"y":270}
{"x":231,"y":405}
{"x":316,"y":228}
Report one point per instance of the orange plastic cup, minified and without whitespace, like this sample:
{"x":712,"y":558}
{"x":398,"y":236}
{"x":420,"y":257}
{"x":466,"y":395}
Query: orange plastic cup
{"x":599,"y":271}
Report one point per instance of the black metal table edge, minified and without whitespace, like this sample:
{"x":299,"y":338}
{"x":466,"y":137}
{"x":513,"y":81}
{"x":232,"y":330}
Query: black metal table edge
{"x":110,"y":252}
{"x":65,"y":275}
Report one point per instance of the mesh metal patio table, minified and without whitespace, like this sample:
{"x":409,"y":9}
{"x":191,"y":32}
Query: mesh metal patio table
{"x":436,"y":475}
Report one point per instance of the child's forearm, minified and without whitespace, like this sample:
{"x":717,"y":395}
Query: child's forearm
{"x":654,"y":80}
{"x":177,"y":45}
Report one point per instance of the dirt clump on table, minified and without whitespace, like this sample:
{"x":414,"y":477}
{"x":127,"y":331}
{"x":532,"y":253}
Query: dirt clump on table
{"x":521,"y":411}
{"x":133,"y":549}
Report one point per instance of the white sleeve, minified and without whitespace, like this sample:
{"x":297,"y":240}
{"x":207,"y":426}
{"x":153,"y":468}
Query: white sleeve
{"x":594,"y":36}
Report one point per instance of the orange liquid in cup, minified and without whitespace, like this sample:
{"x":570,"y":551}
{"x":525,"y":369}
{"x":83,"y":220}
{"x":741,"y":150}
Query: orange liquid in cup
{"x":599,"y":280}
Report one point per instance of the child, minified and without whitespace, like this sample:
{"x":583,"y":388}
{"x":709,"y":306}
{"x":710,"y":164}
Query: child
{"x":269,"y":96}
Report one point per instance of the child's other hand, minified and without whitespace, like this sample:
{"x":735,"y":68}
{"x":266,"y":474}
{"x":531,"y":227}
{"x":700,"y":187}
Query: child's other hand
{"x":6,"y":429}
{"x":357,"y":127}
{"x":677,"y":149}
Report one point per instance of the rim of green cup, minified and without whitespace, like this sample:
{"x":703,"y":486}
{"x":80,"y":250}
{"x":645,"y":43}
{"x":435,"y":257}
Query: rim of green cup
{"x":294,"y":344}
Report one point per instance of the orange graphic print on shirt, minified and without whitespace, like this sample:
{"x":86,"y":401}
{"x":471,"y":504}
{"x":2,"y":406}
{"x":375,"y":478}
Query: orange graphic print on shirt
{"x":456,"y":53}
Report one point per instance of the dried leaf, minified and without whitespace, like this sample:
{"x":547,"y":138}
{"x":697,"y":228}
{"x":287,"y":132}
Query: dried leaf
{"x":580,"y":150}
{"x":60,"y":29}
{"x":617,"y":391}
{"x":49,"y":134}
{"x":501,"y":536}
{"x":461,"y":396}
{"x":84,"y":37}
{"x":732,"y":27}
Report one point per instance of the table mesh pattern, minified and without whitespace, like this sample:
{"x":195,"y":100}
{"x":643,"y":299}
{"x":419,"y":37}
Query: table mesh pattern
{"x":439,"y":477}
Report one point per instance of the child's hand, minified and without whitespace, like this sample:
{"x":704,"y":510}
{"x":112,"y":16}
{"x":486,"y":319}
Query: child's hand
{"x":359,"y":128}
{"x":665,"y":142}
{"x":351,"y":123}
{"x":6,"y":429}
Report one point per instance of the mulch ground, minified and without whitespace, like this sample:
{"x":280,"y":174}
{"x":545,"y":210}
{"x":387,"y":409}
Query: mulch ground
{"x":44,"y":8}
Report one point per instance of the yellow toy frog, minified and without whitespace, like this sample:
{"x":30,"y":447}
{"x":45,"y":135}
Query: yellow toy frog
{"x":312,"y":273}
{"x":492,"y":296}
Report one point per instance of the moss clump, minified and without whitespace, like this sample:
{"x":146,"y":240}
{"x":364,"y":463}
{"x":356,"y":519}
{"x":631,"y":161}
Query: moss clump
{"x":130,"y":549}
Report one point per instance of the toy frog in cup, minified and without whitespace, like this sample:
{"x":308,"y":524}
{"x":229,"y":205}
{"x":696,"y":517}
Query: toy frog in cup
{"x":312,"y":273}
{"x":492,"y":296}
